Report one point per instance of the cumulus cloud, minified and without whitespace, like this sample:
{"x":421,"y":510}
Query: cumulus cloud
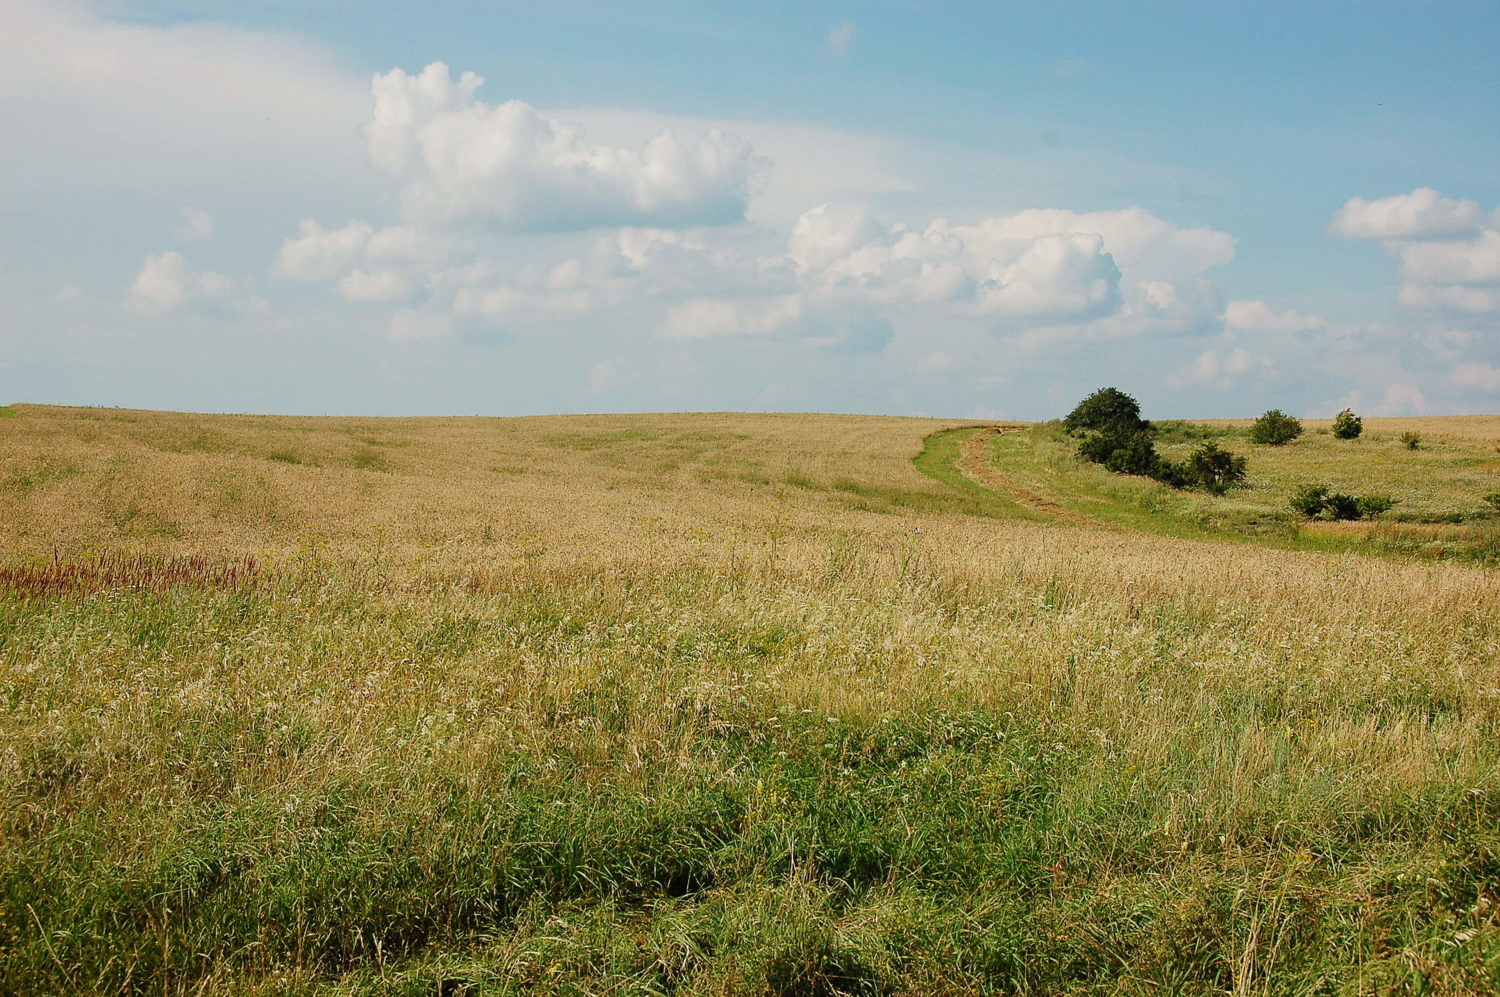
{"x":1449,"y":252}
{"x":1257,"y":316}
{"x":165,"y":282}
{"x":515,"y":169}
{"x":1422,"y":214}
{"x":842,"y":267}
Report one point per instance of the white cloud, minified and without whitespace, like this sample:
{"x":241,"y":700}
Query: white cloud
{"x":1449,"y":253}
{"x":1484,"y":376}
{"x":603,"y":377}
{"x":1449,"y":298}
{"x":379,"y":286}
{"x":197,"y":226}
{"x":1057,"y":275}
{"x":411,"y":324}
{"x":509,"y":166}
{"x":934,"y":363}
{"x":319,"y":254}
{"x":839,"y":38}
{"x":1218,"y":369}
{"x":165,"y":282}
{"x":1402,"y":399}
{"x":141,"y":109}
{"x":1422,"y":214}
{"x":707,"y":318}
{"x":1470,"y":262}
{"x":1257,"y":316}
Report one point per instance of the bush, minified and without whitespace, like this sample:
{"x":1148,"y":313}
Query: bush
{"x":1135,"y":454}
{"x":1215,"y":469}
{"x":1310,"y":500}
{"x":1493,"y":498}
{"x":1316,"y":500}
{"x":1109,"y":411}
{"x":1413,"y":441}
{"x":1341,"y":506}
{"x":1112,"y":433}
{"x":1275,"y":428}
{"x":1347,"y":425}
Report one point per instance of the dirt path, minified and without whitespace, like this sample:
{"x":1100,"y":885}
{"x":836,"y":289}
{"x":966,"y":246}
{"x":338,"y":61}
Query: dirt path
{"x":973,"y":463}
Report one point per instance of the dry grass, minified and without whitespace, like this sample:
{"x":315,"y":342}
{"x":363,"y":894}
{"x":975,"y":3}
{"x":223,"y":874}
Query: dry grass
{"x":706,"y":704}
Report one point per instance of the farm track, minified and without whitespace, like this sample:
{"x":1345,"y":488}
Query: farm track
{"x":973,"y":463}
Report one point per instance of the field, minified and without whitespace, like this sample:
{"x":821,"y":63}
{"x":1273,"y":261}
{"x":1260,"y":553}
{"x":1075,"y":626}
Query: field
{"x":735,"y":704}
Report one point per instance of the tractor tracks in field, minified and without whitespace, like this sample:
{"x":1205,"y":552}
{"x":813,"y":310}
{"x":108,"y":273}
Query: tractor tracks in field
{"x":973,"y":463}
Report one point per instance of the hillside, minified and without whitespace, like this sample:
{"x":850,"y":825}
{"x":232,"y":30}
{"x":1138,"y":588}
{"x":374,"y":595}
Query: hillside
{"x":730,"y":703}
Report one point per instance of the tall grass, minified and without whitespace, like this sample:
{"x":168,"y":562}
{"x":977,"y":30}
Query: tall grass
{"x":765,"y":747}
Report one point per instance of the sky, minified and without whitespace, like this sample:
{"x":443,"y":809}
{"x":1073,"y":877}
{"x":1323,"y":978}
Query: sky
{"x":951,"y":209}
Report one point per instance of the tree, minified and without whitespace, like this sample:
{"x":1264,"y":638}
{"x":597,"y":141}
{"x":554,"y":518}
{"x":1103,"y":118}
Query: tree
{"x":1347,"y":425}
{"x":1108,"y":410}
{"x":1215,"y":469}
{"x":1275,"y":428}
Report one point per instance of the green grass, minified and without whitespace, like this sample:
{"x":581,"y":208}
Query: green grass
{"x":1442,"y":485}
{"x":512,"y":838}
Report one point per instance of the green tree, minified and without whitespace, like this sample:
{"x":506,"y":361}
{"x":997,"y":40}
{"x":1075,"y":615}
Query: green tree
{"x":1108,"y":410}
{"x":1347,"y":425}
{"x":1275,"y":428}
{"x":1215,"y":469}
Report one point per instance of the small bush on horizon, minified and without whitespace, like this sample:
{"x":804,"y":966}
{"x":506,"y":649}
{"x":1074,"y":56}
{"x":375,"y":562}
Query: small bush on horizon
{"x":1275,"y":428}
{"x":1411,"y":440}
{"x":1347,"y":425}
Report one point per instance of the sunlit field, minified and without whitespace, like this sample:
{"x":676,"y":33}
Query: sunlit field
{"x":732,"y":704}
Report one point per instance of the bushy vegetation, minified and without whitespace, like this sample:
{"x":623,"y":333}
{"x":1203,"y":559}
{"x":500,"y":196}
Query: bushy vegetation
{"x":1317,"y":500}
{"x":1275,"y":428}
{"x":1111,"y":432}
{"x":1347,"y":425}
{"x":1411,"y":440}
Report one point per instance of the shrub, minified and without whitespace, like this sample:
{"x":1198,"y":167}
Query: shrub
{"x":1109,"y":411}
{"x":1215,"y":469}
{"x":1135,"y":454}
{"x":1310,"y":500}
{"x":1347,"y":425}
{"x":1412,"y":441}
{"x":1493,"y":498}
{"x":1371,"y":506}
{"x":1341,"y":506}
{"x":1275,"y":428}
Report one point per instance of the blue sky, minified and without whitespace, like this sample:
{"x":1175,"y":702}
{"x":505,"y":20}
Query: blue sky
{"x":907,"y":208}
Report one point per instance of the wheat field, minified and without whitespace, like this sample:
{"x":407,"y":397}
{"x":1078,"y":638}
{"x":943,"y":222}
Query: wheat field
{"x":708,"y":704}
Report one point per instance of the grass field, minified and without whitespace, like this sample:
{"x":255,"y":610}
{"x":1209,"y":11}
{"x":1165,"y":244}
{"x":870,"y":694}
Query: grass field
{"x":732,"y":704}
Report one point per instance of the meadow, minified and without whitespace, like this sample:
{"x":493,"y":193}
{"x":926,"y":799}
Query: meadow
{"x":732,"y":704}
